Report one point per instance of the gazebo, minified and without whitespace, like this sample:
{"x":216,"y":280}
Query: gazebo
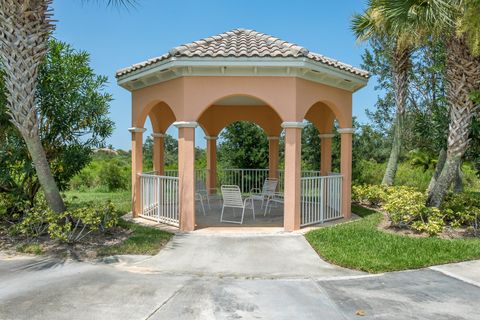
{"x":241,"y":75}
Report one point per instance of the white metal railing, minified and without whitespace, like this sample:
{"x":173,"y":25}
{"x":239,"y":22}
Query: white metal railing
{"x":246,"y":179}
{"x":159,"y":198}
{"x":321,"y":199}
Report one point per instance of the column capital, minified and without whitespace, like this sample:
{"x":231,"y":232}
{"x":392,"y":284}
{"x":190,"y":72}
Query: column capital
{"x":346,"y":130}
{"x":137,"y":130}
{"x":293,"y":124}
{"x":185,"y":124}
{"x":211,"y":138}
{"x":273,"y":138}
{"x":326,"y":135}
{"x":158,"y":135}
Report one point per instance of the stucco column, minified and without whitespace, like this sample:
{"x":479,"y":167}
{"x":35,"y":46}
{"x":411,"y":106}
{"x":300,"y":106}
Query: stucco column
{"x":326,"y":153}
{"x":211,"y":164}
{"x":158,"y":153}
{"x":273,"y":157}
{"x":292,"y":189}
{"x":186,"y":174}
{"x":137,"y":167}
{"x":346,"y":169}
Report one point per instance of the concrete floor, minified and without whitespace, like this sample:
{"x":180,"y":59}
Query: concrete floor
{"x":274,"y":217}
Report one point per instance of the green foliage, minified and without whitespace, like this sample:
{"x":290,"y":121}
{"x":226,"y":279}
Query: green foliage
{"x":70,"y":226}
{"x":36,"y":220}
{"x":73,"y":119}
{"x":75,"y":224}
{"x":113,"y":176}
{"x":361,"y":245}
{"x":463,"y":209}
{"x":371,"y":195}
{"x":243,"y":145}
{"x":106,"y":172}
{"x":405,"y":207}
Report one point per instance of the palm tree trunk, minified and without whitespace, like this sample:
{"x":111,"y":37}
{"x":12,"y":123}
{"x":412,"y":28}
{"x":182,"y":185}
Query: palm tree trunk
{"x":463,"y":77}
{"x":401,"y":66}
{"x":442,"y":158}
{"x":44,"y":174}
{"x":25,"y":27}
{"x":458,"y":181}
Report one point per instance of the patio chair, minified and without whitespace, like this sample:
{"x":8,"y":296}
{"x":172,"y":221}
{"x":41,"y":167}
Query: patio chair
{"x":232,"y":198}
{"x":202,"y":192}
{"x":277,"y":197}
{"x":267,"y":192}
{"x":198,"y":197}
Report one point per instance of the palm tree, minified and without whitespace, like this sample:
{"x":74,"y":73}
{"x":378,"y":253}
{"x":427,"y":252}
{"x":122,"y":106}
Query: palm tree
{"x":368,"y":26}
{"x":454,"y":21}
{"x":25,"y":27}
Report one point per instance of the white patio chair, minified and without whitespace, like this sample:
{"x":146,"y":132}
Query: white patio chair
{"x":198,"y":197}
{"x":232,"y":198}
{"x":202,"y":192}
{"x":267,"y":192}
{"x":277,"y":197}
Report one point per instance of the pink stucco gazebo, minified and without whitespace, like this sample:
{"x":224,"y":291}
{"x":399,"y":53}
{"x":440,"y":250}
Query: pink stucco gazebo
{"x":239,"y":75}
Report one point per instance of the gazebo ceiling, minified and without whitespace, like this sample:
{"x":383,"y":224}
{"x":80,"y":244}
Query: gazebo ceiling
{"x":242,"y":52}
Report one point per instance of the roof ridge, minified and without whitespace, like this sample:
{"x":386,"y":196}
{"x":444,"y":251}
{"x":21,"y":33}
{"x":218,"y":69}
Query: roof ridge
{"x":298,"y":50}
{"x":278,"y":41}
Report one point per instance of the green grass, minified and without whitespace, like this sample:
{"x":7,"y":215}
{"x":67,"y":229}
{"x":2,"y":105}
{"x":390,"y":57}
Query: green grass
{"x":360,"y":245}
{"x":31,"y":248}
{"x":144,"y":240}
{"x":121,"y":199}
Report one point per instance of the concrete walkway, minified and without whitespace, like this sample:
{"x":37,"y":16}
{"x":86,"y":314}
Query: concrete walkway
{"x":241,"y":255}
{"x":202,"y":276}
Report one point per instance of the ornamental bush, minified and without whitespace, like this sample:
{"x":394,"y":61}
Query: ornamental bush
{"x":463,"y":209}
{"x":74,"y":225}
{"x":405,"y":207}
{"x":371,"y":195}
{"x":70,"y":226}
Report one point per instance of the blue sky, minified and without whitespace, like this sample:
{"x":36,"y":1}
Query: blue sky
{"x":116,"y":38}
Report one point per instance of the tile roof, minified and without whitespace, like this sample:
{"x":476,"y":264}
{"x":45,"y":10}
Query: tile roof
{"x":243,"y":43}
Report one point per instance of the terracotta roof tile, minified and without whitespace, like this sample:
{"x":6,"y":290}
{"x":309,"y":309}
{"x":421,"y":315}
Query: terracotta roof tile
{"x":243,"y":43}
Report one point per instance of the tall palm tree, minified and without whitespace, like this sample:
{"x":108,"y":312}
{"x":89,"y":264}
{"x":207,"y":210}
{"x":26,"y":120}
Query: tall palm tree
{"x":25,"y":27}
{"x":368,"y":26}
{"x":447,"y":20}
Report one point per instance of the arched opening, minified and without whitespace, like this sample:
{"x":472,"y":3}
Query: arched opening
{"x":242,"y":149}
{"x":321,"y":183}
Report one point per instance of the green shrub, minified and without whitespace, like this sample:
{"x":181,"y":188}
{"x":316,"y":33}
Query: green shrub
{"x":113,"y":177}
{"x":70,"y":226}
{"x":463,"y":209}
{"x":371,"y":195}
{"x":367,"y":172}
{"x":35,"y":221}
{"x":74,"y":225}
{"x":404,"y":205}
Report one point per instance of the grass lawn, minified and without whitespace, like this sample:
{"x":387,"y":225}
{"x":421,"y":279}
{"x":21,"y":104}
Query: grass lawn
{"x":143,"y":240}
{"x":121,"y":199}
{"x":360,"y":245}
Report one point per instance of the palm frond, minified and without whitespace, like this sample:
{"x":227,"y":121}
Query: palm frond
{"x":117,"y":3}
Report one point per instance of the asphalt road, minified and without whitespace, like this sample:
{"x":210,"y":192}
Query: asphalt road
{"x":259,"y":277}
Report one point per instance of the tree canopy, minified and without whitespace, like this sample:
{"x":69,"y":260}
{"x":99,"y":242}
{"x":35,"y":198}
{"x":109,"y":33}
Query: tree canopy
{"x":73,"y":119}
